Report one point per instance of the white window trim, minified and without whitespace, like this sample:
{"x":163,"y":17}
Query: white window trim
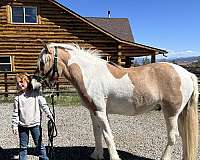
{"x":24,"y":15}
{"x":11,"y":67}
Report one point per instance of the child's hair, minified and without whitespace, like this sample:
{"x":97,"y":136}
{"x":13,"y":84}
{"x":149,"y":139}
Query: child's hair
{"x":24,"y":77}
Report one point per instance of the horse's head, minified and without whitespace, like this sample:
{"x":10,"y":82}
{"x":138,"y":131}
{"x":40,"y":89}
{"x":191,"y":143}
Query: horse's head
{"x":51,"y":63}
{"x":56,"y":59}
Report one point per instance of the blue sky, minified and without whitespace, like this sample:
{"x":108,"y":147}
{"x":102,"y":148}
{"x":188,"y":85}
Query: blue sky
{"x":173,"y":25}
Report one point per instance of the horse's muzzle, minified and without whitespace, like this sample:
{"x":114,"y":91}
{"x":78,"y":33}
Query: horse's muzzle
{"x":35,"y":84}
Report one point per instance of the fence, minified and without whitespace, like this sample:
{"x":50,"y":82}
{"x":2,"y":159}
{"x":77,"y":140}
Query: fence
{"x":8,"y":85}
{"x":195,"y":70}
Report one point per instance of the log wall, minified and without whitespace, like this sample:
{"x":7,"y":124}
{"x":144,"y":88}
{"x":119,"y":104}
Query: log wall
{"x":55,"y":25}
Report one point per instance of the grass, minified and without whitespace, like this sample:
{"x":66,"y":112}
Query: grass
{"x":8,"y":99}
{"x":64,"y":100}
{"x":61,"y":100}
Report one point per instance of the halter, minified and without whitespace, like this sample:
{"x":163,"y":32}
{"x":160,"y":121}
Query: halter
{"x":53,"y":68}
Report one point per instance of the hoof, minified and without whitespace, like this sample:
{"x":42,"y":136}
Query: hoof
{"x":96,"y":156}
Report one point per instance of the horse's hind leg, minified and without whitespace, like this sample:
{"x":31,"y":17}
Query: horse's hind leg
{"x":104,"y":124}
{"x":98,"y":152}
{"x":172,"y":132}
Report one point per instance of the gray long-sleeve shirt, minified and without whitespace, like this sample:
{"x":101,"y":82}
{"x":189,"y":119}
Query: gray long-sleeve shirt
{"x":27,"y":109}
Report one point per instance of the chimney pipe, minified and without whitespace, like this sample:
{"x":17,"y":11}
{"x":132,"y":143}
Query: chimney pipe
{"x":109,"y":14}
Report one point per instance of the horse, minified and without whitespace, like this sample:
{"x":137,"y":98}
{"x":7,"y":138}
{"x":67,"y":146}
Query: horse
{"x":105,"y":89}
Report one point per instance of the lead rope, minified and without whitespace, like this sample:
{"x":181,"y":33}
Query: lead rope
{"x":52,"y":131}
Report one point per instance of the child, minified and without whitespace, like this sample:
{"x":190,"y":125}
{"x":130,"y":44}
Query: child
{"x":27,"y":116}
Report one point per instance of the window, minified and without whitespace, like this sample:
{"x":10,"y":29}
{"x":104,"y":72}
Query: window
{"x":24,"y":14}
{"x":5,"y":63}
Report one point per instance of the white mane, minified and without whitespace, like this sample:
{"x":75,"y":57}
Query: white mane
{"x":76,"y":50}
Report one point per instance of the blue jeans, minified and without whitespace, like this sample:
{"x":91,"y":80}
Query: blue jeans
{"x":37,"y":138}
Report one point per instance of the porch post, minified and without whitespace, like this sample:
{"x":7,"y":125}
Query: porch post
{"x":119,"y":53}
{"x":153,"y":57}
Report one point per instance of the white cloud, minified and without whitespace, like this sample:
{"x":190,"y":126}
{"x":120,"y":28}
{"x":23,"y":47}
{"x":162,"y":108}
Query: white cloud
{"x":189,"y":51}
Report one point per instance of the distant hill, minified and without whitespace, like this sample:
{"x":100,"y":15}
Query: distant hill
{"x":182,"y":60}
{"x":179,"y":60}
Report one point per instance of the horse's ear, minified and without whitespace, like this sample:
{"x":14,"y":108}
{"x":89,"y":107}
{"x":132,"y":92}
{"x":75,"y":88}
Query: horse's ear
{"x":44,"y":45}
{"x":47,"y":49}
{"x":41,"y":41}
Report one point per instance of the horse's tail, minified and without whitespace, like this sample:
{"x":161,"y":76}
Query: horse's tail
{"x":188,"y":121}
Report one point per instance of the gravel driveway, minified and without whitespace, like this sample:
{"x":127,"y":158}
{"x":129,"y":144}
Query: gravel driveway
{"x":141,"y":137}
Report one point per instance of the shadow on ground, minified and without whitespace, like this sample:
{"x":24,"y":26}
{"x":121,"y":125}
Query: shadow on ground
{"x":70,"y":153}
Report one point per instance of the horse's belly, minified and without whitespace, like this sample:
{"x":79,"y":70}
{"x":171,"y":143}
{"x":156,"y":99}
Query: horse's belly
{"x":120,"y":106}
{"x":127,"y":106}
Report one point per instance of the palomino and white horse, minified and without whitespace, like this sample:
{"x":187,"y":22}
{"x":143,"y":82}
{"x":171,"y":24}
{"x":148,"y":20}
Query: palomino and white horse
{"x":110,"y":89}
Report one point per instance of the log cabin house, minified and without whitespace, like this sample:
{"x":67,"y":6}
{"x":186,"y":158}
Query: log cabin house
{"x":23,"y":22}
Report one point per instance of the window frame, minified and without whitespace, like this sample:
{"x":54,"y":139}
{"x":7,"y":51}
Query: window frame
{"x":11,"y":67}
{"x":24,"y":15}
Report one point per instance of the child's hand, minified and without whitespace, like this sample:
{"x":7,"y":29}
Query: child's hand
{"x":15,"y":131}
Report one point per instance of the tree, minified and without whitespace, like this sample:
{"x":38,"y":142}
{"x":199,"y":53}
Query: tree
{"x":146,"y":60}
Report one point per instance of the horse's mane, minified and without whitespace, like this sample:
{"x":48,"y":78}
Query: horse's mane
{"x":76,"y":50}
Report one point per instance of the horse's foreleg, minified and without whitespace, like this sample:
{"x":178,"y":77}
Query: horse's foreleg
{"x":98,"y":152}
{"x":104,"y":124}
{"x":172,"y":131}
